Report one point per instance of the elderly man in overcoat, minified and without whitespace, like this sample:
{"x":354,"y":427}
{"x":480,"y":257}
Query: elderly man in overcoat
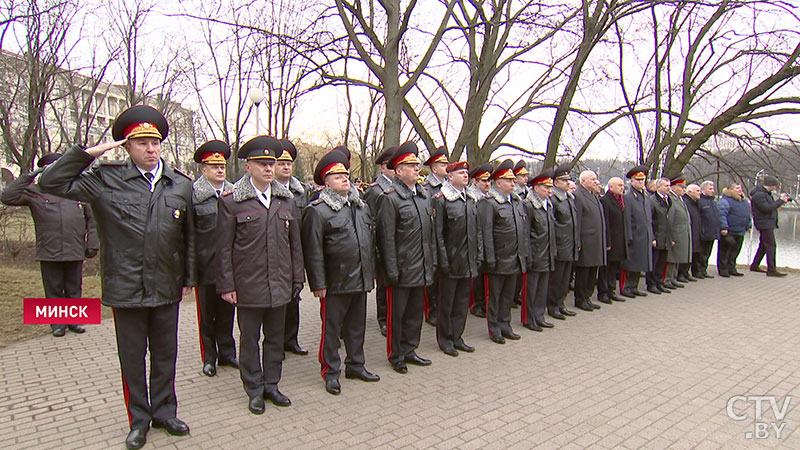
{"x":592,"y":252}
{"x":616,"y":239}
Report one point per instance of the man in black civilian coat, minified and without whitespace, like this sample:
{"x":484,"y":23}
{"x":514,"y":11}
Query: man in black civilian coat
{"x":616,"y":238}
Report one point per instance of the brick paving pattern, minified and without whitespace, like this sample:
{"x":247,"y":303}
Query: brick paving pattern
{"x":654,"y":372}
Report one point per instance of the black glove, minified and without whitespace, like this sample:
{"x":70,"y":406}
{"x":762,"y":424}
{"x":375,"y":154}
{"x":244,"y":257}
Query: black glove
{"x":296,"y":288}
{"x":90,"y":253}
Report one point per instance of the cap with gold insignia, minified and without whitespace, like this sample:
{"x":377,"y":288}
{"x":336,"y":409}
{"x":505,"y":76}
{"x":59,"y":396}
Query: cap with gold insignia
{"x":344,"y":150}
{"x":562,"y":172}
{"x":48,"y":158}
{"x":505,"y":170}
{"x":638,"y":173}
{"x":521,"y":168}
{"x":386,"y":155}
{"x":406,"y":154}
{"x":331,"y":163}
{"x":439,"y":155}
{"x":545,"y":177}
{"x":140,"y":121}
{"x":263,"y":148}
{"x":214,"y":152}
{"x":481,"y":171}
{"x":289,"y":152}
{"x":458,"y":165}
{"x":677,"y":178}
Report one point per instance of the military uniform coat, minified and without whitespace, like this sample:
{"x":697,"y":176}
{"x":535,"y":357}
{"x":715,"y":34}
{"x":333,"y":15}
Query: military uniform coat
{"x":505,"y":234}
{"x":204,"y":198}
{"x":459,"y":241}
{"x":542,"y":237}
{"x":679,"y":219}
{"x":568,"y":237}
{"x":638,"y":219}
{"x":258,"y":249}
{"x":592,"y":225}
{"x":147,"y":240}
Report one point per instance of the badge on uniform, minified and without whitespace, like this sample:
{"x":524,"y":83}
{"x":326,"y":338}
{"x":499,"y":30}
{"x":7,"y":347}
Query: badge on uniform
{"x":80,"y":205}
{"x":286,"y":222}
{"x":176,"y":214}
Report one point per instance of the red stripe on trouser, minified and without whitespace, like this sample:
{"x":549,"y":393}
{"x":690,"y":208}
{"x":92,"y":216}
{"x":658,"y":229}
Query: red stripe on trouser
{"x":524,"y":298}
{"x":486,"y":303}
{"x":200,"y":324}
{"x":471,"y":293}
{"x":322,"y":362}
{"x":621,"y":280}
{"x":125,"y":391}
{"x":388,"y":321}
{"x":666,"y":267}
{"x":425,"y":297}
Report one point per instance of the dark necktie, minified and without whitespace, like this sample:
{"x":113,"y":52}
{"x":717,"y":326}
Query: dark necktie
{"x":218,"y":192}
{"x":149,"y":176}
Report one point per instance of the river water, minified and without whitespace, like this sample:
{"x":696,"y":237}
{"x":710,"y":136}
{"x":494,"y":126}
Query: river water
{"x":787,"y":237}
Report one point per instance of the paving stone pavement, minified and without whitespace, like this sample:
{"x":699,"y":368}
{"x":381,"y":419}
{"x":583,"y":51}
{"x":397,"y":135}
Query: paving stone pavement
{"x":654,"y":372}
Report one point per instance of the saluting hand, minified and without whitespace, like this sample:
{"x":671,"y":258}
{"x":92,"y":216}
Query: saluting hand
{"x":99,"y":149}
{"x":229,"y":297}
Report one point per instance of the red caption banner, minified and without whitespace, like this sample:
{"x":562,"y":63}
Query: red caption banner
{"x":61,"y":311}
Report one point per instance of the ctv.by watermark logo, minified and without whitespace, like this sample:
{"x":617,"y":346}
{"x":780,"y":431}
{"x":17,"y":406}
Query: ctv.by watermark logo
{"x":740,"y":406}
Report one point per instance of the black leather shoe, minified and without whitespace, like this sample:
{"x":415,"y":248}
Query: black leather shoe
{"x":545,"y":324}
{"x":663,"y":289}
{"x":775,"y":273}
{"x":136,"y":439}
{"x":584,"y":306}
{"x":209,"y":370}
{"x":605,"y":300}
{"x":417,"y":360}
{"x":533,"y":327}
{"x":675,"y":285}
{"x":76,"y":329}
{"x":479,"y":313}
{"x":557,"y":315}
{"x":737,"y":274}
{"x":639,"y":293}
{"x":296,"y":349}
{"x":383,"y":329}
{"x":229,"y":362}
{"x":400,"y":367}
{"x":653,"y":290}
{"x":511,"y":335}
{"x":256,"y":405}
{"x":614,"y":298}
{"x":173,"y":426}
{"x":276,"y":397}
{"x":706,"y":275}
{"x":724,"y":275}
{"x":593,"y":304}
{"x":361,"y":374}
{"x":681,"y":279}
{"x":59,"y":332}
{"x":431,"y":320}
{"x":450,"y":351}
{"x":498,"y":340}
{"x":567,"y":312}
{"x":333,"y":387}
{"x":757,"y":269}
{"x":627,"y":293}
{"x":462,"y":346}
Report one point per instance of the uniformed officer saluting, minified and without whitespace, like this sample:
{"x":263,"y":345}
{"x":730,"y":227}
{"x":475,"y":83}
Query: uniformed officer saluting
{"x":259,"y":267}
{"x":143,"y":210}
{"x":460,"y":250}
{"x":339,"y":254}
{"x":408,"y":253}
{"x":214,"y":315}
{"x":505,"y":246}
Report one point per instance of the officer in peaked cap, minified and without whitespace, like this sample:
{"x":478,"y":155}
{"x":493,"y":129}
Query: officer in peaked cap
{"x":522,"y":175}
{"x":340,"y":267}
{"x":504,"y":224}
{"x":641,"y":241}
{"x":381,"y":185}
{"x":408,"y":253}
{"x":146,"y":221}
{"x":679,"y":255}
{"x":283,"y":175}
{"x":437,"y":162}
{"x":214,"y":316}
{"x":568,"y":242}
{"x":480,"y":182}
{"x":542,"y":242}
{"x":259,"y":267}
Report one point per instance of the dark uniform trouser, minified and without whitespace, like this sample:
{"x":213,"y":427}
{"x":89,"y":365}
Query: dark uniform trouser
{"x":291,"y":324}
{"x":61,"y":279}
{"x":138,"y":328}
{"x":215,"y":317}
{"x":502,"y":289}
{"x":607,"y":278}
{"x":585,"y":280}
{"x":342,"y":315}
{"x":431,"y":298}
{"x":404,"y":306}
{"x":766,"y":246}
{"x":535,"y":297}
{"x":257,"y":375}
{"x":729,"y":248}
{"x":478,"y":295}
{"x":629,"y":281}
{"x":656,"y":276}
{"x":453,"y":310}
{"x":380,"y":296}
{"x":558,"y":285}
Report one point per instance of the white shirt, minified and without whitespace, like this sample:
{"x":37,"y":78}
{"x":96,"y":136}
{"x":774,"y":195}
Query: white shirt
{"x":264,"y":197}
{"x":156,"y":171}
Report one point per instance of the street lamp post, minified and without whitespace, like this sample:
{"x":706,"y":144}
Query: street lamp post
{"x":256,"y":96}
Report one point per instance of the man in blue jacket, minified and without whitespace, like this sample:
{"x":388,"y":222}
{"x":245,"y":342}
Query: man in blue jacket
{"x":765,"y":217}
{"x":734,"y":218}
